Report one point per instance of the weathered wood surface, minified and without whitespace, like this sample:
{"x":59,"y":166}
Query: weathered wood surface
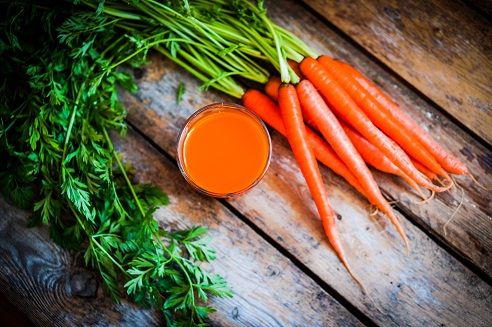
{"x":269,"y":290}
{"x":469,"y":231}
{"x":427,"y":287}
{"x":443,"y":48}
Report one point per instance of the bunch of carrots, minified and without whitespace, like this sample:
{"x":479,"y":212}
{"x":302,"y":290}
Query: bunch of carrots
{"x":339,"y":117}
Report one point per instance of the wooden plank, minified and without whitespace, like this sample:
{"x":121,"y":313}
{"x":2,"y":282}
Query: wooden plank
{"x":468,"y":232}
{"x":440,"y":47}
{"x":269,"y":289}
{"x":427,"y":287}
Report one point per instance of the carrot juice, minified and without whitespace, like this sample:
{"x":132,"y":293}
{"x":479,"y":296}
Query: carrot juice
{"x":223,"y":150}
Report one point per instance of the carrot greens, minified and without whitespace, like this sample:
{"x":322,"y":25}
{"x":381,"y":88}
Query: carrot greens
{"x":58,"y":104}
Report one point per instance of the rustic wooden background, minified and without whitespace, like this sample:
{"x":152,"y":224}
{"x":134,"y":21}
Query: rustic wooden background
{"x":434,"y":59}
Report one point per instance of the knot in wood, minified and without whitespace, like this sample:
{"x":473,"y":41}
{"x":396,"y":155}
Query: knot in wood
{"x":83,"y":284}
{"x":272,"y":271}
{"x":393,"y":13}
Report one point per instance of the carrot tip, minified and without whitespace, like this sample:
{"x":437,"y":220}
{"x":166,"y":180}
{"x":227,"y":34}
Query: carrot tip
{"x":408,"y":250}
{"x":354,"y":275}
{"x":406,"y":242}
{"x":422,"y":195}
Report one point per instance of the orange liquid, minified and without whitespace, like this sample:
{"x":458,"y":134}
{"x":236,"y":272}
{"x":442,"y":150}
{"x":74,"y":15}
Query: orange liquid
{"x":225,"y":151}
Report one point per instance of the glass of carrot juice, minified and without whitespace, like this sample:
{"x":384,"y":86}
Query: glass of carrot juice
{"x":224,"y":150}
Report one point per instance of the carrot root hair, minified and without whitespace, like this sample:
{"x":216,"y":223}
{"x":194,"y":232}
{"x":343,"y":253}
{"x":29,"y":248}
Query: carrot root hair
{"x":439,"y":180}
{"x":477,"y":182}
{"x":456,"y":210}
{"x":414,"y":185}
{"x":375,"y":212}
{"x":426,"y":200}
{"x":450,"y":182}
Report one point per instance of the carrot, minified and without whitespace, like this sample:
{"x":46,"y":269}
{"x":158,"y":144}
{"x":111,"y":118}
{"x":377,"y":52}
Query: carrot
{"x":449,"y":162}
{"x":330,"y":128}
{"x":269,"y":112}
{"x":295,"y":67}
{"x":348,"y":110}
{"x":431,"y":175}
{"x":271,"y":87}
{"x":380,"y":118}
{"x":374,"y":157}
{"x":296,"y":134}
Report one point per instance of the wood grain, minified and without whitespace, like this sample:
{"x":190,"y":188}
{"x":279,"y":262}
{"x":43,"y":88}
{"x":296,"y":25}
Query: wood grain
{"x":427,"y":287}
{"x":443,"y":48}
{"x":269,"y":289}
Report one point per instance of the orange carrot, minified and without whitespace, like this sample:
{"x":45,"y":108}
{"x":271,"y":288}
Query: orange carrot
{"x":449,"y":162}
{"x":380,"y":118}
{"x":312,"y":102}
{"x":295,"y":67}
{"x":431,"y":175}
{"x":269,"y":112}
{"x":374,"y":157}
{"x":271,"y":87}
{"x":348,"y":110}
{"x":296,"y":134}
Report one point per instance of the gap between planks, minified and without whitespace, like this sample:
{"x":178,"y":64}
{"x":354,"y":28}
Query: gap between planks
{"x":302,"y":267}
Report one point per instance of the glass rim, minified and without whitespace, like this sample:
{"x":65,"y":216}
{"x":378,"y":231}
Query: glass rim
{"x":184,"y":131}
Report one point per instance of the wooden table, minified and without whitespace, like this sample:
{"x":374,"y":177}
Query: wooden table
{"x":435,"y":60}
